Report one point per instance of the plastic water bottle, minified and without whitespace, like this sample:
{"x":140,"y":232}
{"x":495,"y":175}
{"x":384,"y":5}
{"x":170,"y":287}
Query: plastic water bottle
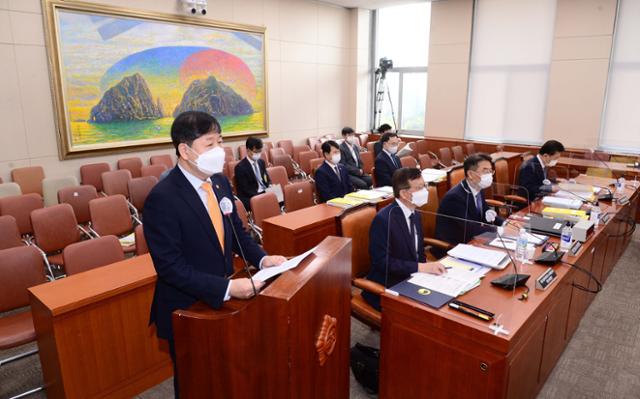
{"x":521,"y":246}
{"x":620,"y":185}
{"x":565,"y":238}
{"x":595,"y":214}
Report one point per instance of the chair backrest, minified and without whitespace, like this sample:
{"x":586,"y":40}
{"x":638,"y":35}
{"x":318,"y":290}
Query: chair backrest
{"x":458,"y":154}
{"x":110,"y":215}
{"x":92,"y":174}
{"x":87,"y":255}
{"x":21,"y":268}
{"x":429,"y":218}
{"x":370,"y":146}
{"x":278,"y":175}
{"x":285,"y":161}
{"x":116,"y":182}
{"x":297,"y":149}
{"x":355,"y":225}
{"x":20,"y":207}
{"x":298,"y":195}
{"x":422,"y":147}
{"x":78,"y":197}
{"x":264,"y":206}
{"x":51,"y":186}
{"x":286,"y":145}
{"x":9,"y":233}
{"x":314,"y":164}
{"x":368,"y":161}
{"x":139,"y":188}
{"x":318,"y":148}
{"x":305,"y":158}
{"x":141,"y":242}
{"x":445,"y":156}
{"x":55,"y":227}
{"x":9,"y":189}
{"x":312,"y":141}
{"x":427,"y":161}
{"x":29,"y":179}
{"x":242,"y":214}
{"x":133,"y":165}
{"x":231,"y":171}
{"x":501,"y":167}
{"x":228,"y":153}
{"x":408,"y":162}
{"x":164,"y":159}
{"x":242,"y":151}
{"x":153,"y":170}
{"x":471,"y":148}
{"x":364,"y":138}
{"x":267,"y":146}
{"x":455,"y":175}
{"x":275,"y":151}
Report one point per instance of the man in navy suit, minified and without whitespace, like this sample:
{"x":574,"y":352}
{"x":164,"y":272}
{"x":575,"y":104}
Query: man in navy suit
{"x":350,"y":159}
{"x":190,"y":240}
{"x":377,"y":146}
{"x":533,"y":173}
{"x":332,"y":179}
{"x":251,"y":176}
{"x":387,"y":162}
{"x":466,"y":201}
{"x":396,"y":246}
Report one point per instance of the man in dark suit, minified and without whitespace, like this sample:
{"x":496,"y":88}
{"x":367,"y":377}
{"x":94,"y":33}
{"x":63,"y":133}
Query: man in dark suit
{"x":396,"y":246}
{"x":466,"y":201}
{"x":332,"y":179}
{"x":533,"y":173}
{"x":377,"y":146}
{"x":251,"y":176}
{"x":350,"y":159}
{"x":387,"y":161}
{"x":190,"y":240}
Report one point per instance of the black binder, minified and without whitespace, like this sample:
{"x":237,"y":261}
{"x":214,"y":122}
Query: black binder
{"x":423,"y":295}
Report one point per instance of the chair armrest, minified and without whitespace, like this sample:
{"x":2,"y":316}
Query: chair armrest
{"x":432,"y":242}
{"x":368,"y":285}
{"x":495,"y":203}
{"x":515,"y":198}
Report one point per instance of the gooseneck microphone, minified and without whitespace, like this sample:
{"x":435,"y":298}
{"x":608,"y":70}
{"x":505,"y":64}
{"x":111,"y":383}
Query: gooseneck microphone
{"x":386,"y":263}
{"x":226,"y":206}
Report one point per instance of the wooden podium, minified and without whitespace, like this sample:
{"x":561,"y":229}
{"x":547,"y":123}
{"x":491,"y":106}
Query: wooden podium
{"x":291,"y":341}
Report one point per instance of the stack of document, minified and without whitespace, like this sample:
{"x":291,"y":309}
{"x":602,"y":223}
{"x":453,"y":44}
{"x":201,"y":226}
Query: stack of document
{"x":571,"y":215}
{"x":388,"y":190}
{"x":367,"y":195}
{"x":346,"y":202}
{"x":558,"y":202}
{"x":456,"y":281}
{"x":433,"y":175}
{"x":482,"y":256}
{"x":268,"y":272}
{"x":508,"y":243}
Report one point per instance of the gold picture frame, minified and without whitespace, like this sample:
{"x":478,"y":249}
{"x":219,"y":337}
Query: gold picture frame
{"x":119,"y":76}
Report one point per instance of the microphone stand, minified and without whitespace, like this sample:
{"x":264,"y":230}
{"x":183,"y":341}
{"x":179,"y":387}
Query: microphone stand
{"x":235,"y":235}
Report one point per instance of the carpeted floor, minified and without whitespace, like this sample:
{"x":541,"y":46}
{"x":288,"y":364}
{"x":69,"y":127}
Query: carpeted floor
{"x":601,"y":361}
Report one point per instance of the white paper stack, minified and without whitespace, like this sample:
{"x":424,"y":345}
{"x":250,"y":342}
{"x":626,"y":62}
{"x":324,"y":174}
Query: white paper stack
{"x":433,"y":175}
{"x":482,"y":256}
{"x":456,"y":281}
{"x":559,"y":202}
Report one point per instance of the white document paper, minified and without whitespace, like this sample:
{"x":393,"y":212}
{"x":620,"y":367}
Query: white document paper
{"x":268,"y":272}
{"x":433,"y":175}
{"x":508,"y":243}
{"x":454,"y":282}
{"x":277,"y":190}
{"x":481,"y":256}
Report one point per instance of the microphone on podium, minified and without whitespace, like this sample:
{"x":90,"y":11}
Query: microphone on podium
{"x":226,"y":207}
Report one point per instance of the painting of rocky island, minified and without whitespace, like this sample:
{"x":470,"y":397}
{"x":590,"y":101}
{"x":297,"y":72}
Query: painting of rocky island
{"x":124,"y":79}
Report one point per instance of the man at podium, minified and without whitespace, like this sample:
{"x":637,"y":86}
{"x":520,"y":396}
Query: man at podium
{"x":190,"y":221}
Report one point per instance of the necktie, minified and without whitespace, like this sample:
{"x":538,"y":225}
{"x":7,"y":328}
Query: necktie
{"x":214,"y":212}
{"x":256,"y":171}
{"x":393,"y":161}
{"x":337,"y":172}
{"x":479,"y":204}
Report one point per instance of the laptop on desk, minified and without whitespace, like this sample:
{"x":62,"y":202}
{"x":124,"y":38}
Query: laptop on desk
{"x":547,"y":226}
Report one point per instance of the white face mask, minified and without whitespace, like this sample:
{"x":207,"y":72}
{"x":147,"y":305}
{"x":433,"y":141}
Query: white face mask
{"x":353,"y":140}
{"x":335,"y":159}
{"x":392,"y":150}
{"x":486,"y":180}
{"x":420,"y":198}
{"x":255,"y":156}
{"x":210,"y":162}
{"x":553,"y":163}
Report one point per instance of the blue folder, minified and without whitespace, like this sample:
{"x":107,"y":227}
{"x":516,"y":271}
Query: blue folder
{"x":423,"y":295}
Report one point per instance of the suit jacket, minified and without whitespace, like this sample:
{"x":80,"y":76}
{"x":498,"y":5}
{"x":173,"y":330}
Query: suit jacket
{"x":401,"y":256}
{"x":531,"y":178}
{"x":377,"y":148}
{"x":329,"y":186}
{"x":185,"y":250}
{"x":459,"y":202}
{"x":246,"y":182}
{"x":353,"y":166}
{"x":385,"y":168}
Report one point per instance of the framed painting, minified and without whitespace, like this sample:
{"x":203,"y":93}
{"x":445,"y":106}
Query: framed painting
{"x":119,"y":76}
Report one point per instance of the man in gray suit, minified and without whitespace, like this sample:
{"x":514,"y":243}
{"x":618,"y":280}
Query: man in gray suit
{"x":350,"y":159}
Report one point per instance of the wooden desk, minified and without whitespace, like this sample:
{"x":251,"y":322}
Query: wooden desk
{"x":93,"y":332}
{"x":443,"y":353}
{"x":581,"y":165}
{"x":293,"y":233}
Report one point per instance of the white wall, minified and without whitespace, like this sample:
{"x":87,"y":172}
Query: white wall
{"x":312,"y":64}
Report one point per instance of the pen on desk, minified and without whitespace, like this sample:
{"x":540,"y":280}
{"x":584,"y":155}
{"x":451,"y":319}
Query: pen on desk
{"x":469,"y":312}
{"x":466,"y":305}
